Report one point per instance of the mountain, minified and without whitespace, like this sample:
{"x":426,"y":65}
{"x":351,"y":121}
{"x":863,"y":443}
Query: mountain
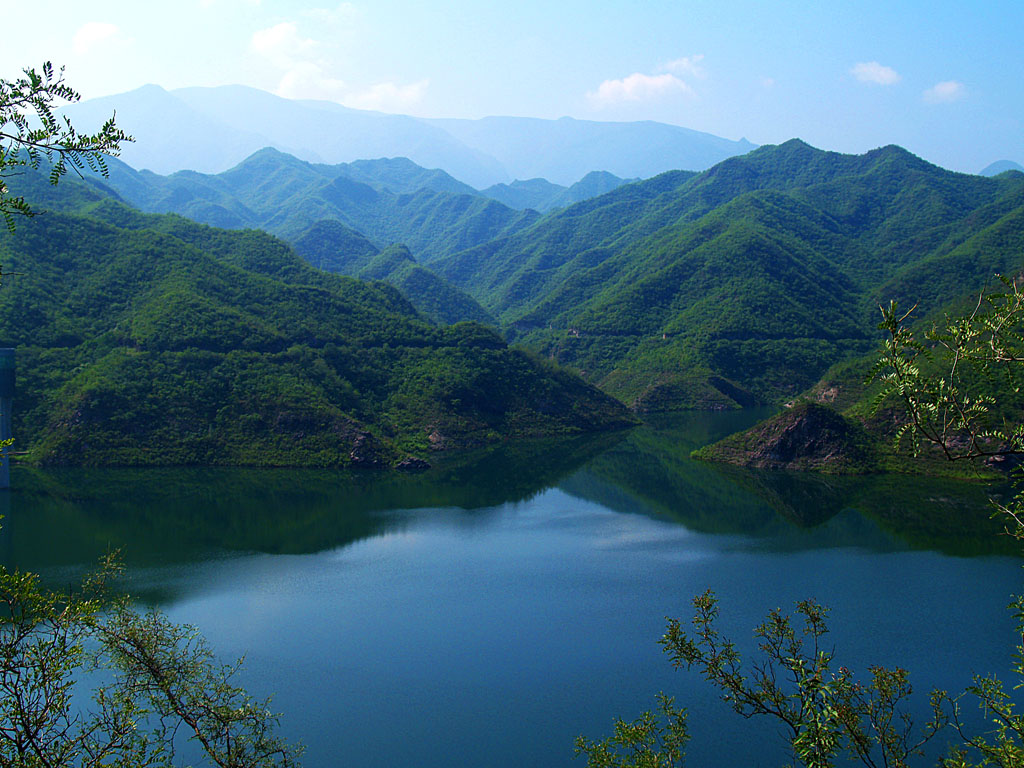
{"x":331,"y":246}
{"x":566,"y":149}
{"x":541,"y":195}
{"x":387,"y":201}
{"x":1000,"y":166}
{"x":323,"y":211}
{"x":150,"y":339}
{"x":745,"y":282}
{"x":212,"y":129}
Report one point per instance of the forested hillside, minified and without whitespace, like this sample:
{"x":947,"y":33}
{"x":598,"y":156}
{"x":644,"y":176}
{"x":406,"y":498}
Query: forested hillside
{"x":146,"y":339}
{"x":336,"y":215}
{"x":541,"y":195}
{"x":739,"y":285}
{"x":746,"y":282}
{"x":388,"y":201}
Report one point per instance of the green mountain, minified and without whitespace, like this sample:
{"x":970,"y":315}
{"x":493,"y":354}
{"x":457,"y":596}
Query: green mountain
{"x":743,"y":283}
{"x":150,"y":339}
{"x":333,"y":247}
{"x":334,"y":214}
{"x":388,"y":201}
{"x":541,"y":195}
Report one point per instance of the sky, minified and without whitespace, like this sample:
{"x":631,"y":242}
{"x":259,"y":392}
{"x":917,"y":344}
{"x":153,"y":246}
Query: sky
{"x":942,"y":79}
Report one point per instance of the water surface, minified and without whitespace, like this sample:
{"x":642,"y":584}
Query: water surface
{"x":488,"y":611}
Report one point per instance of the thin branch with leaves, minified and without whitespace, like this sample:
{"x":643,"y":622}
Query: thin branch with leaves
{"x":31,"y":132}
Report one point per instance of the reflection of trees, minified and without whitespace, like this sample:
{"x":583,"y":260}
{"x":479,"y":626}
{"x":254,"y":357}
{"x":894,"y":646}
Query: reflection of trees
{"x":651,"y":472}
{"x":70,"y":517}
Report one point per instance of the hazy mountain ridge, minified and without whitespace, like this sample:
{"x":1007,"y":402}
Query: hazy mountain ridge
{"x":1001,"y":166}
{"x":212,"y":129}
{"x":566,"y":149}
{"x":541,"y":195}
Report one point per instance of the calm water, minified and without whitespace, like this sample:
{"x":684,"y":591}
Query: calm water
{"x":488,"y":611}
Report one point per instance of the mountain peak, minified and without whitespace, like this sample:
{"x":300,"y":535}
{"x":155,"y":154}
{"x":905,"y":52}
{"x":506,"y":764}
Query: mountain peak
{"x":1001,"y":166}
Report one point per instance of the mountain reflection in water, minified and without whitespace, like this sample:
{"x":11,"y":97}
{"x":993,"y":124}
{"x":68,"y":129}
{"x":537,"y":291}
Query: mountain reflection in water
{"x":507,"y":600}
{"x":71,"y":517}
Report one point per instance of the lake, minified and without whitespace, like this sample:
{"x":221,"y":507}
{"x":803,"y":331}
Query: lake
{"x":491,"y":609}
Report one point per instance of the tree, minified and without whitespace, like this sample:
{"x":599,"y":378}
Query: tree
{"x":30,"y":132}
{"x":650,"y":741}
{"x":153,"y":683}
{"x":949,"y":391}
{"x":158,"y":683}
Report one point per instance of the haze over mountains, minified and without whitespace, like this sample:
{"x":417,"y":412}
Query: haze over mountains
{"x":212,"y":129}
{"x":1001,"y":166}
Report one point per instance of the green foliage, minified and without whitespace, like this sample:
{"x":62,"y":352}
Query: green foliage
{"x":825,"y":712}
{"x":30,"y":133}
{"x":764,"y":270}
{"x":148,"y":339}
{"x":651,"y":741}
{"x":151,"y":682}
{"x":954,"y":410}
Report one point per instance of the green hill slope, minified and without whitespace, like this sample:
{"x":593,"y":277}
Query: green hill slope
{"x":333,"y":247}
{"x":387,"y":201}
{"x":154,"y":340}
{"x":746,"y":282}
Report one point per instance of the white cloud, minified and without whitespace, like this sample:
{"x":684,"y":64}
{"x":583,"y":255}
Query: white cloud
{"x":308,"y":67}
{"x":687,"y":65}
{"x":307,"y":80}
{"x":91,"y":34}
{"x":946,"y":91}
{"x":282,"y":45}
{"x":388,"y":96}
{"x":638,"y":87}
{"x":767,"y":82}
{"x":873,"y":72}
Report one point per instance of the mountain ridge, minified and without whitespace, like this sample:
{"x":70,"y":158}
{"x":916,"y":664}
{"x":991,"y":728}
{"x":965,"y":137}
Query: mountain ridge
{"x":211,"y":129}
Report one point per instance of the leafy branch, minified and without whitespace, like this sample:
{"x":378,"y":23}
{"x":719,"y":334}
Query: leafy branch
{"x":940,"y":408}
{"x":30,"y":132}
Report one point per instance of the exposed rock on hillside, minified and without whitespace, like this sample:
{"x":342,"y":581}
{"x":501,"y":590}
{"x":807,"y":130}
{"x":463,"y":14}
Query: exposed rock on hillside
{"x":807,"y":436}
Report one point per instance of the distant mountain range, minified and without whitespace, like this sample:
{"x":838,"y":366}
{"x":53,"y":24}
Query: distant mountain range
{"x":1001,"y":166}
{"x":212,"y":129}
{"x":732,"y":286}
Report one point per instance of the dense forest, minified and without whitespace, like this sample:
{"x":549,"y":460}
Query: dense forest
{"x":150,"y":339}
{"x":738,"y":286}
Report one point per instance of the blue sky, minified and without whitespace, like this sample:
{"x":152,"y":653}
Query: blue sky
{"x":940,"y":78}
